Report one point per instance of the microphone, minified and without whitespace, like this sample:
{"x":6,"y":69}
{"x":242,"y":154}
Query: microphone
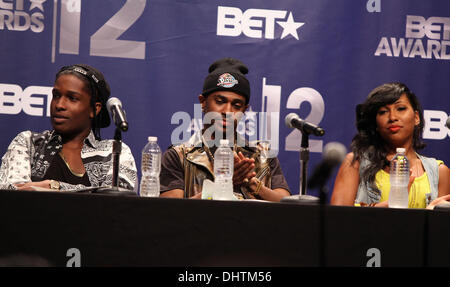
{"x":114,"y":106}
{"x":333,"y":154}
{"x":294,"y":121}
{"x":448,"y":123}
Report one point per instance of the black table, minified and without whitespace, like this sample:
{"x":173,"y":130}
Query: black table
{"x":111,"y":230}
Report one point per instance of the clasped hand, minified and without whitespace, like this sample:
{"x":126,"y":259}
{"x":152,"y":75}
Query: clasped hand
{"x":243,"y":168}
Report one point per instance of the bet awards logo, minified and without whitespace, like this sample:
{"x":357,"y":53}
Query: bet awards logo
{"x":20,"y":17}
{"x":435,"y":29}
{"x":33,"y":100}
{"x":255,"y":23}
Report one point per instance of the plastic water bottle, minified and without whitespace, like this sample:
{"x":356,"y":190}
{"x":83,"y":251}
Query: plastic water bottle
{"x":399,"y":178}
{"x":223,"y":172}
{"x":151,"y":167}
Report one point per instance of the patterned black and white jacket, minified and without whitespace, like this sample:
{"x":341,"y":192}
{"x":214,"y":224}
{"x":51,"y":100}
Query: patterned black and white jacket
{"x":29,"y":156}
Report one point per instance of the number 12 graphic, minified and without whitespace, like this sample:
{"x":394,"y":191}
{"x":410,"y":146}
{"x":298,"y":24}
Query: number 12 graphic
{"x":104,"y":42}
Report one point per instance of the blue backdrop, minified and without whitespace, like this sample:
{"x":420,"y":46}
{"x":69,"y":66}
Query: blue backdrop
{"x":316,"y":58}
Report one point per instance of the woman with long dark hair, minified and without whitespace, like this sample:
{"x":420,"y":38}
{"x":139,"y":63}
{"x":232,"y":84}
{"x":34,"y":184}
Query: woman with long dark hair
{"x":391,"y":117}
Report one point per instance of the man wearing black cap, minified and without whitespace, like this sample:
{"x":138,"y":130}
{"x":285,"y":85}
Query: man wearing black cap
{"x":72,"y":155}
{"x":226,"y":93}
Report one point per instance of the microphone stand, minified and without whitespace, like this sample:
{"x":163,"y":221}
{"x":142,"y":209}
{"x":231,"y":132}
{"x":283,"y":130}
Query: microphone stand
{"x":304,"y":157}
{"x":302,"y":197}
{"x":117,"y":149}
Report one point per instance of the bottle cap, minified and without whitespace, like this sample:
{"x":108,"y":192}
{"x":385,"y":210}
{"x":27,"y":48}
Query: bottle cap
{"x":224,"y":142}
{"x":400,"y":150}
{"x":152,"y":139}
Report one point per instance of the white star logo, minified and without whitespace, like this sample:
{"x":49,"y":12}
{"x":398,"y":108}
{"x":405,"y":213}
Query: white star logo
{"x":37,"y":4}
{"x":290,"y":27}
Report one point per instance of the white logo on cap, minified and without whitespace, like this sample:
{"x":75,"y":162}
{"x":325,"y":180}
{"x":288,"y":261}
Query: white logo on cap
{"x":227,"y":81}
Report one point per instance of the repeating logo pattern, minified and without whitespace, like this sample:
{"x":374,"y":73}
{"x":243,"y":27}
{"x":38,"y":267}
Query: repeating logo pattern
{"x":424,"y":38}
{"x":255,"y":23}
{"x":22,"y":15}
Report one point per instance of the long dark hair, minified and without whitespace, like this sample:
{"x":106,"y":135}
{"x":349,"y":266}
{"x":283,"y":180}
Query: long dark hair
{"x":367,"y":143}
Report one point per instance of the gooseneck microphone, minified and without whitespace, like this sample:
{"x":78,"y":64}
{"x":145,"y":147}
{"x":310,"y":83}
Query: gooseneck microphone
{"x":292,"y":120}
{"x":114,"y":106}
{"x":333,"y":154}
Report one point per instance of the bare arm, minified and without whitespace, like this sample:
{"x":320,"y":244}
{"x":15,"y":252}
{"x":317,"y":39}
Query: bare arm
{"x":347,"y":181}
{"x":444,"y":180}
{"x":174,"y":193}
{"x":273,"y":194}
{"x":179,"y":193}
